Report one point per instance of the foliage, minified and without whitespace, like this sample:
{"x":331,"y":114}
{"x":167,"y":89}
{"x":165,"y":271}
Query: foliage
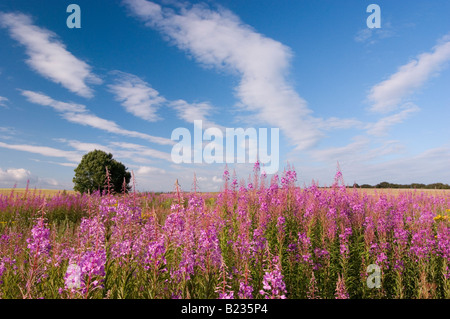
{"x":94,"y":170}
{"x":405,"y":186}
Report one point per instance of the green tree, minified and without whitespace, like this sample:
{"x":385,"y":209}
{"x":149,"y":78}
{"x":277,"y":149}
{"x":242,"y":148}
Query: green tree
{"x":90,"y":174}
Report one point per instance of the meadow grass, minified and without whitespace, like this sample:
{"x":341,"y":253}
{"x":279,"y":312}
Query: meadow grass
{"x":46,"y":192}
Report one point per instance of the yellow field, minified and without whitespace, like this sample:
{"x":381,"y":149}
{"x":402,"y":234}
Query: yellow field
{"x":47,"y":192}
{"x":396,"y":191}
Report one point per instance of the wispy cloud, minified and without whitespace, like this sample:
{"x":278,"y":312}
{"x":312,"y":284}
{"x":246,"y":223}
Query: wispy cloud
{"x":389,"y":94}
{"x":86,"y":147}
{"x":48,"y":56}
{"x":44,"y":150}
{"x":140,"y":150}
{"x":219,"y":39}
{"x":374,"y":35}
{"x":120,"y":149}
{"x":62,"y":107}
{"x":149,"y":170}
{"x":79,"y":114}
{"x":361,"y":150}
{"x":334,"y":123}
{"x":3,"y":101}
{"x":7,"y":133}
{"x":191,"y":112}
{"x":143,"y":101}
{"x":136,"y":96}
{"x":65,"y":164}
{"x":333,"y":154}
{"x":382,"y":127}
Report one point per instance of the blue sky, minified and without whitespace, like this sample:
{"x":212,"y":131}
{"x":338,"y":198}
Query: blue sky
{"x":375,"y":100}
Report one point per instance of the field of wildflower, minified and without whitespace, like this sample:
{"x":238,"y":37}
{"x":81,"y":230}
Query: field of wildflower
{"x":255,"y":239}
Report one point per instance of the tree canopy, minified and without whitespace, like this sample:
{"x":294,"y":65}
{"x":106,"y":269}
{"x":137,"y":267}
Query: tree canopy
{"x":90,"y":174}
{"x":413,"y":185}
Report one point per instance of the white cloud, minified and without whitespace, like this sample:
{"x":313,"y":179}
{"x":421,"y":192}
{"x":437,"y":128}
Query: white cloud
{"x":339,"y":153}
{"x":136,"y":96}
{"x":48,"y":56}
{"x":381,"y":127}
{"x":88,"y":147}
{"x":78,"y":114}
{"x":112,"y":127}
{"x":137,"y":153}
{"x":39,"y":98}
{"x":7,"y":133}
{"x":3,"y":101}
{"x":149,"y":170}
{"x":191,"y":112}
{"x":44,"y":150}
{"x":219,"y":39}
{"x":387,"y":95}
{"x":361,"y":150}
{"x":14,"y":175}
{"x":372,"y":36}
{"x":19,"y":177}
{"x":334,"y":123}
{"x":363,"y":35}
{"x":65,"y":164}
{"x":216,"y":179}
{"x":141,"y":100}
{"x":139,"y":150}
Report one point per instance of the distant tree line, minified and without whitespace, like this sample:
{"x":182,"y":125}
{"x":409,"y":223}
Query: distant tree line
{"x":413,"y":185}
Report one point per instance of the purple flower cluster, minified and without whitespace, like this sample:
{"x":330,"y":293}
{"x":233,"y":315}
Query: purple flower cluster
{"x":39,"y":242}
{"x":208,"y":251}
{"x":273,"y":284}
{"x":304,"y":248}
{"x":2,"y":270}
{"x":341,"y":290}
{"x":245,"y":291}
{"x":226,"y":295}
{"x":154,"y":256}
{"x":86,"y":272}
{"x":422,"y":244}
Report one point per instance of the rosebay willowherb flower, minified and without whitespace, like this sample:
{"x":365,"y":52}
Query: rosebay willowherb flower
{"x":273,"y":284}
{"x":341,"y":290}
{"x":154,"y":258}
{"x":39,"y":242}
{"x":2,"y":270}
{"x":245,"y":291}
{"x":92,"y":265}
